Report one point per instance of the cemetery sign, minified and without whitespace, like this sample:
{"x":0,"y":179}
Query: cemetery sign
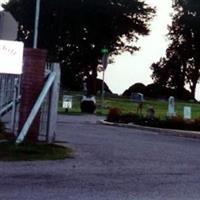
{"x":11,"y":57}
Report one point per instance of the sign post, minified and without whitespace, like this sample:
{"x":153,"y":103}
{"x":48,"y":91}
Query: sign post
{"x":104,"y":51}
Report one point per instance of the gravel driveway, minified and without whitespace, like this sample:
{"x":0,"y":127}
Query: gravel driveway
{"x":111,"y":163}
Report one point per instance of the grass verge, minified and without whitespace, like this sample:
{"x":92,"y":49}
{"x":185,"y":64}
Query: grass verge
{"x":29,"y":152}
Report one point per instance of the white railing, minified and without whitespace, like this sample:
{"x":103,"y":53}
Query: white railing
{"x":9,"y":90}
{"x":10,"y":95}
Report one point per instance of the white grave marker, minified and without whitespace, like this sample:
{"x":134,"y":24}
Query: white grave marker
{"x":11,"y":57}
{"x":67,"y":101}
{"x":187,"y":112}
{"x":171,"y":107}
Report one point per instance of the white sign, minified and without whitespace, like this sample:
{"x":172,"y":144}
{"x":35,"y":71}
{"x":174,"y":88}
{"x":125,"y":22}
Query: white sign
{"x":11,"y":57}
{"x":67,"y":101}
{"x":187,"y":112}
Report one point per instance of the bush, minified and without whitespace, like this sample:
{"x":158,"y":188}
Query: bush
{"x":129,"y":118}
{"x":114,"y":115}
{"x":177,"y":122}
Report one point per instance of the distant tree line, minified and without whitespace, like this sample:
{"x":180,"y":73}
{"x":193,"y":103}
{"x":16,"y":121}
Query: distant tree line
{"x":75,"y":31}
{"x":181,"y":65}
{"x":156,"y":90}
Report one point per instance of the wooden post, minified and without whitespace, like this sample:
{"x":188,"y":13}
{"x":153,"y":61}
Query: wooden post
{"x":53,"y":105}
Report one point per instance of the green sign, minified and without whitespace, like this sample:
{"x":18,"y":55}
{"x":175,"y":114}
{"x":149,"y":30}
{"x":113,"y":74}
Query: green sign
{"x":104,"y":50}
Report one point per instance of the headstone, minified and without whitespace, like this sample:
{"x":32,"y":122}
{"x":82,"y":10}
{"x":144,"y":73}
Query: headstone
{"x":67,"y":102}
{"x":171,"y":107}
{"x":187,"y":112}
{"x":137,"y":97}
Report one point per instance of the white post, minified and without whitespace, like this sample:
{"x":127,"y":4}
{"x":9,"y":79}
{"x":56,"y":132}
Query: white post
{"x":52,"y":114}
{"x":37,"y":15}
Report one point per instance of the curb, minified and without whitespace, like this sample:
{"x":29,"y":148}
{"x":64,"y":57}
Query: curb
{"x":161,"y":131}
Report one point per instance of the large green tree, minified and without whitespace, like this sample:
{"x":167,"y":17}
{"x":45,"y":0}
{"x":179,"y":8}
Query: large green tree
{"x":75,"y":31}
{"x":181,"y":65}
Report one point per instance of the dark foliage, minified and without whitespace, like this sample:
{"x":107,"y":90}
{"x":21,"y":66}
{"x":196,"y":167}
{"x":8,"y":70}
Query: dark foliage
{"x":114,"y":115}
{"x":177,"y":122}
{"x":156,"y":90}
{"x":181,"y":64}
{"x":135,"y":88}
{"x":75,"y":31}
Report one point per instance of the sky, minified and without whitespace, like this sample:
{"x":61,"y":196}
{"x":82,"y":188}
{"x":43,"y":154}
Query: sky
{"x":129,"y":69}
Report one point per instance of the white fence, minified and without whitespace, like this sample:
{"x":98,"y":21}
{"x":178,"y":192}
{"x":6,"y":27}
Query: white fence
{"x":10,"y":95}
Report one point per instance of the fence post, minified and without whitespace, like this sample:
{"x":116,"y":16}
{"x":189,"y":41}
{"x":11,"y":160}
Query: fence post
{"x":53,"y":105}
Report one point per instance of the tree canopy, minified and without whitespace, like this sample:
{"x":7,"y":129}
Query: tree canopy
{"x":181,"y":65}
{"x":75,"y":31}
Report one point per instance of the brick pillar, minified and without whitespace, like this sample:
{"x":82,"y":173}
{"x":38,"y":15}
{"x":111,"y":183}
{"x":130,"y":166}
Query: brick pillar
{"x":31,"y":85}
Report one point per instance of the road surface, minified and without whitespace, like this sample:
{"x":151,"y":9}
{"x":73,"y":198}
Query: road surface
{"x":111,"y":163}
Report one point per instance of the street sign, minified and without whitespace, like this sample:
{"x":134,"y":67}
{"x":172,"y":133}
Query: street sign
{"x":104,"y":51}
{"x":11,"y":57}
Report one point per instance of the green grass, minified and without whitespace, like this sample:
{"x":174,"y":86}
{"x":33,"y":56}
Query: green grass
{"x":126,"y":106}
{"x":29,"y":152}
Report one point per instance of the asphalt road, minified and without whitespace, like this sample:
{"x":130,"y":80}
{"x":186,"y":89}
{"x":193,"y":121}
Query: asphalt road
{"x":111,"y":163}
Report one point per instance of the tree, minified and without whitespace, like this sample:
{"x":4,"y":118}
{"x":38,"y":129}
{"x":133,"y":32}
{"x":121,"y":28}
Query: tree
{"x":75,"y":31}
{"x":182,"y":63}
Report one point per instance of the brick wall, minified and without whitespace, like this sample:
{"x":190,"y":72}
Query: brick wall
{"x":31,"y":85}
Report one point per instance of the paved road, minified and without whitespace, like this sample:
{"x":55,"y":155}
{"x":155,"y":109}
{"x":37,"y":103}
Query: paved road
{"x":111,"y":163}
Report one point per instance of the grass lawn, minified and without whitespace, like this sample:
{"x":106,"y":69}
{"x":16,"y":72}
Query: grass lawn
{"x":126,"y":106}
{"x":26,"y":152}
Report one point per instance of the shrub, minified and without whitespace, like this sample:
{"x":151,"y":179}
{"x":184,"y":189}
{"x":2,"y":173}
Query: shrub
{"x":114,"y":115}
{"x":129,"y":118}
{"x":176,"y":122}
{"x":88,"y":107}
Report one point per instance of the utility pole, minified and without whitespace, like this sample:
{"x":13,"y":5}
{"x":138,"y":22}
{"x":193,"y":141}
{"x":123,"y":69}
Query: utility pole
{"x":37,"y":16}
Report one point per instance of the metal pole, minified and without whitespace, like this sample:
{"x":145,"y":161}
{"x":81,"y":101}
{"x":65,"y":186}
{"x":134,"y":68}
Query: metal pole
{"x":37,"y":15}
{"x":102,"y":92}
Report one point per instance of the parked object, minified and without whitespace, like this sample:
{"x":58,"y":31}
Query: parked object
{"x":88,"y":104}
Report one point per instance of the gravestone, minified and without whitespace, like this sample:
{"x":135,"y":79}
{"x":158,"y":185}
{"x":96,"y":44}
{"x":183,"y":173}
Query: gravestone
{"x":67,"y":102}
{"x":137,"y":97}
{"x":187,"y":112}
{"x":171,"y":107}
